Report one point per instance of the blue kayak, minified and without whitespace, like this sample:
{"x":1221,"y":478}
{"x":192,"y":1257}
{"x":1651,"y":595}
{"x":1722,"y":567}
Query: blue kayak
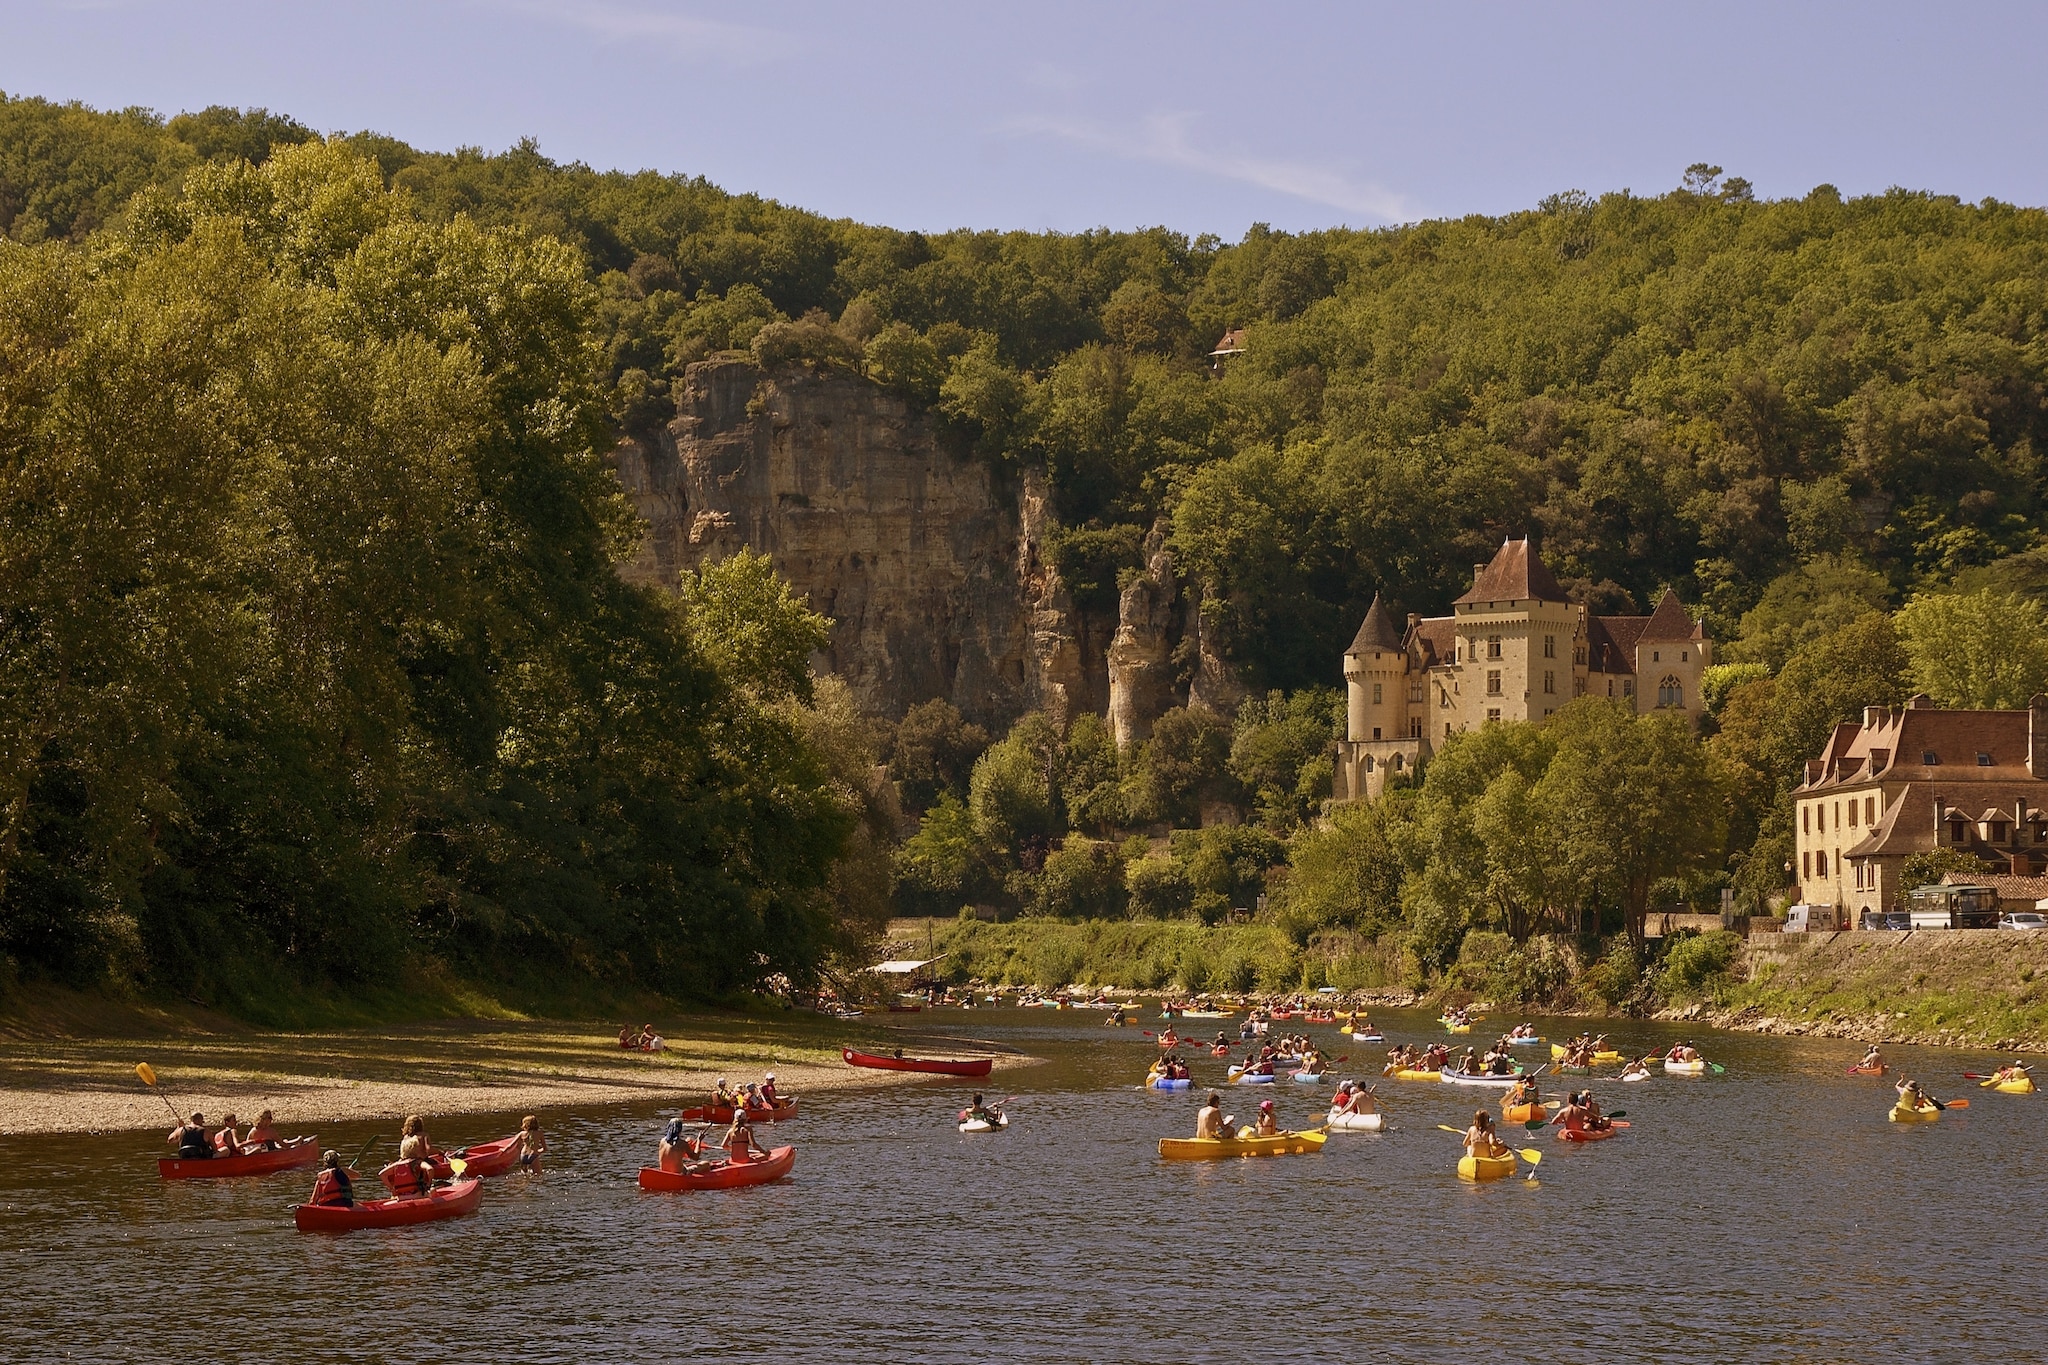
{"x":1307,"y":1079}
{"x":1163,"y":1084}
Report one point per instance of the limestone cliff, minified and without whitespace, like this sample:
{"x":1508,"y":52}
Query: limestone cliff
{"x":931,"y":573}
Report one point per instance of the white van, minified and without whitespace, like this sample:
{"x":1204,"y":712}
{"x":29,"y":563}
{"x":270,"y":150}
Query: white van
{"x":1812,"y":919}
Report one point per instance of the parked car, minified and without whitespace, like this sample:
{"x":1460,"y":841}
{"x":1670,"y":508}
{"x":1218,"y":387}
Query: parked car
{"x":2022,"y":919}
{"x":1887,"y":919}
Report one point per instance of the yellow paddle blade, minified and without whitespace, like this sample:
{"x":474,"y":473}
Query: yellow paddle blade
{"x":1448,"y":1129}
{"x":143,"y":1070}
{"x":458,"y":1165}
{"x":1531,"y":1155}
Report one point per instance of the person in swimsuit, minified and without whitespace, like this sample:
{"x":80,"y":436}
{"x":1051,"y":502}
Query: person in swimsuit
{"x":1209,"y":1123}
{"x":1269,"y":1126}
{"x":677,"y":1148}
{"x":1480,"y":1138}
{"x":532,"y":1145}
{"x":417,"y":1150}
{"x":739,"y":1143}
{"x":1873,"y":1059}
{"x":224,"y":1141}
{"x":262,"y":1135}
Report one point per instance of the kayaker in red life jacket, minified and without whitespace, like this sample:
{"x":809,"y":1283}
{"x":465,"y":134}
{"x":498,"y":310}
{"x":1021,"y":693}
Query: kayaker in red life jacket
{"x":190,"y":1137}
{"x":332,"y":1185}
{"x":224,"y":1141}
{"x":417,"y":1150}
{"x":768,"y":1094}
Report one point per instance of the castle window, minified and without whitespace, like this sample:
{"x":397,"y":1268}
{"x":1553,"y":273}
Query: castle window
{"x":1493,"y":713}
{"x":1578,"y":654}
{"x":1578,"y":687}
{"x":1415,"y":729}
{"x":1493,"y":682}
{"x":1929,"y":758}
{"x":1820,"y":863}
{"x":1655,"y":656}
{"x":1368,"y":759}
{"x":1957,"y":832}
{"x":1869,"y":810}
{"x":1983,"y":760}
{"x":1549,"y":681}
{"x":1628,"y":687}
{"x":1447,"y":729}
{"x":1670,"y":693}
{"x":1375,"y":732}
{"x":1493,"y":646}
{"x":1415,"y":691}
{"x":1997,"y":832}
{"x":1683,"y":656}
{"x":1550,"y":646}
{"x":1852,"y":812}
{"x":1397,"y":763}
{"x":1610,"y":687}
{"x":1806,"y":819}
{"x":1376,"y":698}
{"x":1806,"y":864}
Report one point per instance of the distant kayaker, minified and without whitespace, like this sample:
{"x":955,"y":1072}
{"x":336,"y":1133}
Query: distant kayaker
{"x":724,"y":1096}
{"x":1634,"y":1071}
{"x":1210,"y":1121}
{"x":1268,"y":1125}
{"x":1911,"y":1096}
{"x":262,"y":1135}
{"x":1873,"y":1060}
{"x":1481,"y":1140}
{"x":532,"y":1145}
{"x":769,"y":1093}
{"x":1684,"y":1052}
{"x":2016,"y":1071}
{"x":739,"y":1143}
{"x":1524,"y":1092}
{"x":332,"y":1186}
{"x":980,"y":1111}
{"x":1582,"y":1113}
{"x":191,"y":1138}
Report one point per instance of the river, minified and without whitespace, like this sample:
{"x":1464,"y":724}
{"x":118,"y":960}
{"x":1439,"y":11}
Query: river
{"x":1770,"y":1214}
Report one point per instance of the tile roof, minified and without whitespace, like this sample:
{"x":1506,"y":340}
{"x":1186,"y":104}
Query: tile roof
{"x":1377,"y":631}
{"x":1435,"y":639}
{"x":1899,"y":740}
{"x":1515,"y":575}
{"x":1611,"y":643}
{"x":1669,"y":621}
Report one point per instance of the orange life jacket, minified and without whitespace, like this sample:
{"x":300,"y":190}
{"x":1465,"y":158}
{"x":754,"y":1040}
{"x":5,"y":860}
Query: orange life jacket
{"x":400,"y":1178}
{"x":333,"y":1187}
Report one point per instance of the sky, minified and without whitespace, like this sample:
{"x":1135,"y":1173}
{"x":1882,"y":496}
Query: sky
{"x":1203,"y":117}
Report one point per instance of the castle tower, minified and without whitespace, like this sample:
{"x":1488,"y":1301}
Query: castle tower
{"x":1376,"y":678}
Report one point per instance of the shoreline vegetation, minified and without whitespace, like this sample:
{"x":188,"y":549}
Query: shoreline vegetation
{"x":54,"y":1079}
{"x":1967,"y":988}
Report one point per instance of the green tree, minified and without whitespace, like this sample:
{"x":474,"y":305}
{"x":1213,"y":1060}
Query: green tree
{"x":939,"y":867}
{"x":1981,"y":650}
{"x":1082,"y":879}
{"x":933,"y":752}
{"x":1182,"y":764}
{"x":744,"y":618}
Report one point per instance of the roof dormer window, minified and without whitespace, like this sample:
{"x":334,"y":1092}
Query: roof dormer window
{"x":1983,"y":760}
{"x":1929,"y":758}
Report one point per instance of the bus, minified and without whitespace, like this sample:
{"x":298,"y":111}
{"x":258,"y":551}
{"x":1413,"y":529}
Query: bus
{"x":1941,"y":906}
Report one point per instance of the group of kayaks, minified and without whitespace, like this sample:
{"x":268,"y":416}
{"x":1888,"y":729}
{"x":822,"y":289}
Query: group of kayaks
{"x":465,"y":1169}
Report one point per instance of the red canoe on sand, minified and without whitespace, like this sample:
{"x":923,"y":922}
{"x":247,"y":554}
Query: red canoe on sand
{"x":289,"y":1157}
{"x":978,"y":1067}
{"x":722,"y":1113}
{"x":448,"y":1201}
{"x":725,"y":1175}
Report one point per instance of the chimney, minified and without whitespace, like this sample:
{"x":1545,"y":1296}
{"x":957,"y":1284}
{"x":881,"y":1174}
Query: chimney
{"x":2037,"y":736}
{"x":1477,"y":569}
{"x":1873,"y":716}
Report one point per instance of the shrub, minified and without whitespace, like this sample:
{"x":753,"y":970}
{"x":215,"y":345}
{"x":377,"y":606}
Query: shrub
{"x":1697,"y":964}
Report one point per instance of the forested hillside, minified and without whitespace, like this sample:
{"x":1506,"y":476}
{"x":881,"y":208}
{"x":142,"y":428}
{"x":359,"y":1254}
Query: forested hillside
{"x":318,"y":655}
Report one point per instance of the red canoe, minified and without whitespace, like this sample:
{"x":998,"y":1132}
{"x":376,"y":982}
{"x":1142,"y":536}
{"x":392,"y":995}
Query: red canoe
{"x":448,"y":1201}
{"x":979,"y":1067}
{"x":722,"y":1113}
{"x":1585,"y":1134}
{"x":289,"y":1157}
{"x":724,"y":1176}
{"x":485,"y":1158}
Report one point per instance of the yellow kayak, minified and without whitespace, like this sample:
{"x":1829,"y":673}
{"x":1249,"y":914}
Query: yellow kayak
{"x":1523,"y":1113}
{"x":1926,"y":1113}
{"x":1485,"y":1167}
{"x":1599,"y":1058}
{"x":1214,"y":1149}
{"x":2023,"y":1086}
{"x":1406,"y":1075}
{"x":1457,"y":1028}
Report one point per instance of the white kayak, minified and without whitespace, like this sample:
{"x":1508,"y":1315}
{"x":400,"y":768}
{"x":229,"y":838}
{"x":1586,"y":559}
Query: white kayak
{"x":1633,"y":1076}
{"x":1684,"y":1068}
{"x":1459,"y":1078}
{"x":1357,"y":1123}
{"x":984,"y":1125}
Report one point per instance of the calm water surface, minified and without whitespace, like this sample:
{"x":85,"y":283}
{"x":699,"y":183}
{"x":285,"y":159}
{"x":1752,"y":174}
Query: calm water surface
{"x":1770,"y":1214}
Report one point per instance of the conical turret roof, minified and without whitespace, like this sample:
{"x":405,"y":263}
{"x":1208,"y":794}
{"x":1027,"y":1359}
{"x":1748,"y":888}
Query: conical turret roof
{"x":1376,"y":631}
{"x":1668,"y":621}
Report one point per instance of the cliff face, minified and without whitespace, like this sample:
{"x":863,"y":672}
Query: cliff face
{"x":931,"y":574}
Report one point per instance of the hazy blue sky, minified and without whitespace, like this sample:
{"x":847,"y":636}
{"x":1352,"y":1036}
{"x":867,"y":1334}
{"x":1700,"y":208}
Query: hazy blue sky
{"x":1202,"y":116}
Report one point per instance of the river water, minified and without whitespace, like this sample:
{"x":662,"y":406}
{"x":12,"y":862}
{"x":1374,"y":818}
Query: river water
{"x":1770,"y":1215}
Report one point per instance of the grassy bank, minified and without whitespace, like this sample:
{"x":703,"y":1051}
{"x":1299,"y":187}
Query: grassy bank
{"x":1976,"y":988}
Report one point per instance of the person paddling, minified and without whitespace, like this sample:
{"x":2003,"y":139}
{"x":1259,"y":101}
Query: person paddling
{"x":677,"y":1148}
{"x":1873,"y":1060}
{"x":739,"y":1143}
{"x":1481,"y":1140}
{"x":981,"y":1112}
{"x":191,"y":1139}
{"x":333,"y":1186}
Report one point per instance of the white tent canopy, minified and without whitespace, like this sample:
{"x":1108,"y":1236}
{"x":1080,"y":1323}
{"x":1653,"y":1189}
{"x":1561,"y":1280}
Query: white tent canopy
{"x":904,"y":966}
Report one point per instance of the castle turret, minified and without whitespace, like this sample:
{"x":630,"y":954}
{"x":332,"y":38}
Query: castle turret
{"x":1375,"y":677}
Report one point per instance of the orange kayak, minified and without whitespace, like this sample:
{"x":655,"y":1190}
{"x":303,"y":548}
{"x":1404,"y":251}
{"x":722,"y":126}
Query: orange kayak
{"x":723,"y":1176}
{"x":449,"y":1201}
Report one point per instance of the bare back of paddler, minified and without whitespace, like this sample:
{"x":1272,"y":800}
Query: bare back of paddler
{"x":739,"y":1144}
{"x":1209,"y":1122}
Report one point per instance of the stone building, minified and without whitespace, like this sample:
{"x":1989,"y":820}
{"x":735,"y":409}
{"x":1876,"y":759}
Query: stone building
{"x":1515,"y":647}
{"x":1913,"y":779}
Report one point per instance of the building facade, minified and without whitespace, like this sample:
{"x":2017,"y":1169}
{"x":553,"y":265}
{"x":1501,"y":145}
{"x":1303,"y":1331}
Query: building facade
{"x":1913,"y":779}
{"x":1515,"y":647}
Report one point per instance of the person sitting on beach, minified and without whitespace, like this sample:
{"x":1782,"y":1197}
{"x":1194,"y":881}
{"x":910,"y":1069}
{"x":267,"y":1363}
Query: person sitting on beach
{"x":677,"y":1147}
{"x":1209,"y":1122}
{"x":191,"y":1138}
{"x":739,"y":1143}
{"x":532,"y":1145}
{"x":1481,"y":1140}
{"x":626,"y":1039}
{"x":224,"y":1141}
{"x":262,"y":1135}
{"x":650,"y":1041}
{"x":1268,"y":1125}
{"x":332,"y":1187}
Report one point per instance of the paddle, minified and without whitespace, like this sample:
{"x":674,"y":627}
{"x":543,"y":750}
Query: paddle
{"x":1716,"y":1069}
{"x":1533,"y":1157}
{"x":350,"y":1164}
{"x":148,"y":1076}
{"x":1948,"y":1104}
